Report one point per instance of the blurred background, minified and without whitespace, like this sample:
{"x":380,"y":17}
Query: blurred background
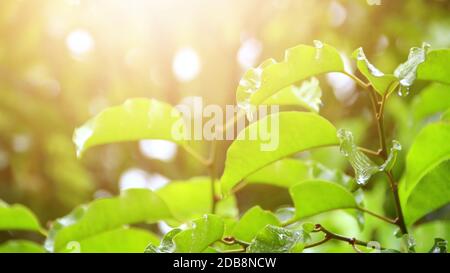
{"x":63,"y":61}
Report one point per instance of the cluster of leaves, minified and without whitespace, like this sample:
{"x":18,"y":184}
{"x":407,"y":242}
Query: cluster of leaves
{"x":204,"y":212}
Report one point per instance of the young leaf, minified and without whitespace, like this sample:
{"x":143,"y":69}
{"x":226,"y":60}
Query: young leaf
{"x":205,"y":231}
{"x":362,"y":165}
{"x":440,"y":246}
{"x":274,"y":239}
{"x":134,"y":120}
{"x":317,"y":196}
{"x":21,"y":246}
{"x":381,"y":82}
{"x":167,"y":244}
{"x":132,"y":206}
{"x":192,"y":199}
{"x":283,"y":173}
{"x":17,"y":217}
{"x":297,"y":132}
{"x":300,"y":63}
{"x":406,"y":72}
{"x":121,"y":240}
{"x":436,"y":67}
{"x":308,"y":96}
{"x":254,"y":220}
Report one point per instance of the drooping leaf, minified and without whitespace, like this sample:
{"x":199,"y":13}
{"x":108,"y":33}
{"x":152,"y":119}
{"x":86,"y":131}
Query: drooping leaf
{"x":440,"y":246}
{"x":283,"y":173}
{"x":435,"y":67}
{"x":132,"y":206}
{"x":17,"y":217}
{"x":317,"y":196}
{"x":254,"y":220}
{"x":380,"y":81}
{"x":205,"y":231}
{"x":192,"y":199}
{"x":136,"y":119}
{"x":292,"y":132}
{"x":273,"y":239}
{"x":167,"y":244}
{"x":434,"y":99}
{"x":300,"y":63}
{"x":363,"y":166}
{"x":308,"y":96}
{"x":21,"y":246}
{"x":121,"y":240}
{"x":406,"y":72}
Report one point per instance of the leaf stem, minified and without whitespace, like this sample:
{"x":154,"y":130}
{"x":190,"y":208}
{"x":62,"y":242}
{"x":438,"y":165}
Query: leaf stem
{"x":400,"y":221}
{"x":334,"y":236}
{"x":381,"y":217}
{"x":358,"y":80}
{"x":196,"y":155}
{"x":379,"y":116}
{"x":212,"y":173}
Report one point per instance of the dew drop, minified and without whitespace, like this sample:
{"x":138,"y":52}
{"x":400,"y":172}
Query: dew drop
{"x":318,"y":45}
{"x":403,"y":90}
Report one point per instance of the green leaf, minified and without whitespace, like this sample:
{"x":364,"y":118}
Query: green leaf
{"x":406,"y":72}
{"x":21,"y":246}
{"x":192,"y":199}
{"x":436,"y":66}
{"x":283,"y":173}
{"x":121,"y":240}
{"x":440,"y":246}
{"x":274,"y":239}
{"x":134,"y":120}
{"x":17,"y":217}
{"x":317,"y":196}
{"x":308,"y":96}
{"x":300,"y":62}
{"x":435,"y":185}
{"x":205,"y":231}
{"x":381,"y":82}
{"x":363,"y":166}
{"x":297,"y":132}
{"x":167,"y":244}
{"x":254,"y":220}
{"x":429,"y":149}
{"x":132,"y":206}
{"x":435,"y":98}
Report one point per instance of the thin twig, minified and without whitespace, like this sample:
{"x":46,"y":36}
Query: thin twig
{"x":381,"y":217}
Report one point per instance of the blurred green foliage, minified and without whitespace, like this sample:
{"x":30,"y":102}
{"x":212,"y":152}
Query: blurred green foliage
{"x":47,"y":87}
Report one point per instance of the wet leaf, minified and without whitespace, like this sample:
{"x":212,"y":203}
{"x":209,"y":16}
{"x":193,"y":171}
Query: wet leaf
{"x":102,"y":215}
{"x":317,"y":196}
{"x":440,"y":246}
{"x":406,"y":72}
{"x":205,"y":231}
{"x":308,"y":96}
{"x":300,"y":62}
{"x":254,"y":220}
{"x":167,"y":244}
{"x":274,"y":239}
{"x":292,"y":132}
{"x":136,"y":119}
{"x":380,"y":81}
